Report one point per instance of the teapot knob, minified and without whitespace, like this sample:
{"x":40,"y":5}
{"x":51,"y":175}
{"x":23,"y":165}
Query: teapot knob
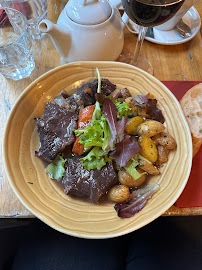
{"x":86,"y":2}
{"x":88,"y":12}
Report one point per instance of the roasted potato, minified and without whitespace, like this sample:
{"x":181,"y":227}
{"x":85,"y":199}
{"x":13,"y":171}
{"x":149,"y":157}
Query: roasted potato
{"x":143,"y":112}
{"x":148,"y":148}
{"x":166,"y":140}
{"x":163,"y":153}
{"x":155,"y":137}
{"x":119,"y":193}
{"x":126,"y":179}
{"x":132,"y":125}
{"x":142,"y":178}
{"x":148,"y":167}
{"x":150,"y":128}
{"x":150,"y":95}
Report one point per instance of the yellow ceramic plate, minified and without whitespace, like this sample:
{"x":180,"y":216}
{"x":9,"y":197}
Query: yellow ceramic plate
{"x":44,"y":198}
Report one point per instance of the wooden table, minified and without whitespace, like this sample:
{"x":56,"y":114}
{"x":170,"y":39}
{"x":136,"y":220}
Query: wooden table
{"x":181,"y":62}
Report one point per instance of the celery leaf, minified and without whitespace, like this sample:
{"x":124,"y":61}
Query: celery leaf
{"x":95,"y":159}
{"x":122,"y":108}
{"x":56,"y":168}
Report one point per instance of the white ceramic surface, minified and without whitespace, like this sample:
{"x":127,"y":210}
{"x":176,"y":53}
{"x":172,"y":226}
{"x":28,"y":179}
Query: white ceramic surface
{"x":191,"y":18}
{"x":170,"y":24}
{"x":80,"y":41}
{"x":88,"y":11}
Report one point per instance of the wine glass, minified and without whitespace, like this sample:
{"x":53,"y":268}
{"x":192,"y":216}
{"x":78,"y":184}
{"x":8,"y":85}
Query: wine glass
{"x":148,"y":13}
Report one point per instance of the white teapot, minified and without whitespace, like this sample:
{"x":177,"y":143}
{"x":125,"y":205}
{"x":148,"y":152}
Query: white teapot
{"x":87,"y":30}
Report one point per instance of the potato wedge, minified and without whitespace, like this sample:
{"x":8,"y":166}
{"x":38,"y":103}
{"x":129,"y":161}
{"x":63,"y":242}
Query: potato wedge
{"x":126,"y":179}
{"x":150,"y":128}
{"x":148,"y":167}
{"x":142,"y":178}
{"x":119,"y":193}
{"x":155,"y":137}
{"x":148,"y":148}
{"x":143,"y":112}
{"x":163,"y":153}
{"x":166,"y":140}
{"x":132,"y":125}
{"x":150,"y":95}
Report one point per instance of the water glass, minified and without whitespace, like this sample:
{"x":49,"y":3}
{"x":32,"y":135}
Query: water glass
{"x":16,"y":60}
{"x":34,"y":10}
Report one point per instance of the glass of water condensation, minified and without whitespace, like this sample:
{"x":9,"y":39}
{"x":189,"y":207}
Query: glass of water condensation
{"x":16,"y":60}
{"x":34,"y":11}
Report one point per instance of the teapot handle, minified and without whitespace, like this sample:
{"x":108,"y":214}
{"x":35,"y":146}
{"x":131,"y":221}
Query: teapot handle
{"x":125,"y":20}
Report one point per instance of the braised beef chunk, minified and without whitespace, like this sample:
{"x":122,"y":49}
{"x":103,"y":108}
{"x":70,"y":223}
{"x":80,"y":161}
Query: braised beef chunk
{"x":91,"y":184}
{"x":60,"y":117}
{"x":88,"y":90}
{"x":55,"y":130}
{"x":73,"y":103}
{"x":50,"y":145}
{"x":107,"y":87}
{"x":61,"y":101}
{"x":85,"y":95}
{"x":124,"y":93}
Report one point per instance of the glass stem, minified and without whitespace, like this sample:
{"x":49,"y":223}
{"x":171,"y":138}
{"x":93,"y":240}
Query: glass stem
{"x":141,"y":36}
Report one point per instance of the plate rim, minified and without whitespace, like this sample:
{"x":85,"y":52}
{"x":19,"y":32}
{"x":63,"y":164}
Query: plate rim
{"x":69,"y":232}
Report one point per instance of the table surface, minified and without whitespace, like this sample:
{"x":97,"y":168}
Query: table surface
{"x":176,"y":62}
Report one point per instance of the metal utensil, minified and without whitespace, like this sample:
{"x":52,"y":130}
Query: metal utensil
{"x":183,"y":29}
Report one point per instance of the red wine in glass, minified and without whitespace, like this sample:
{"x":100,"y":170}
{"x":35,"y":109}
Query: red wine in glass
{"x":149,"y":13}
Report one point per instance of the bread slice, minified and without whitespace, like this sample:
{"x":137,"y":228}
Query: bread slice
{"x":191,"y":104}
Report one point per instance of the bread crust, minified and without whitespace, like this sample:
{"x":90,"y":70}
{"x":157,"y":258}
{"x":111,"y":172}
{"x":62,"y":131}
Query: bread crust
{"x":197,"y":142}
{"x":191,"y":104}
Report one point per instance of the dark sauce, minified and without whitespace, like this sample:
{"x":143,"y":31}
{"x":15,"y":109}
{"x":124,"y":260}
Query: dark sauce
{"x":67,"y":154}
{"x":104,"y":201}
{"x":150,"y":13}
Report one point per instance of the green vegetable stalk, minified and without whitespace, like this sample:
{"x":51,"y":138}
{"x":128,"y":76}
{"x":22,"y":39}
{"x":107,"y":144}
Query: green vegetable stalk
{"x":97,"y":112}
{"x":131,"y":169}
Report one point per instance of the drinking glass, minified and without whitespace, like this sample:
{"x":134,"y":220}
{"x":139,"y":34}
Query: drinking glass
{"x":34,"y":11}
{"x":170,"y":24}
{"x":148,"y":13}
{"x":16,"y":60}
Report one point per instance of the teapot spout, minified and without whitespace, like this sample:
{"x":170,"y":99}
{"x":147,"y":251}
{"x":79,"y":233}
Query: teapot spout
{"x":59,"y":34}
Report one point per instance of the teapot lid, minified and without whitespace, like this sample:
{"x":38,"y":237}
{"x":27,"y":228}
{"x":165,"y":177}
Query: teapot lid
{"x":88,"y":12}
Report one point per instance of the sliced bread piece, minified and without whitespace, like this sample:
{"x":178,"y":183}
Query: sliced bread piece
{"x":191,"y":104}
